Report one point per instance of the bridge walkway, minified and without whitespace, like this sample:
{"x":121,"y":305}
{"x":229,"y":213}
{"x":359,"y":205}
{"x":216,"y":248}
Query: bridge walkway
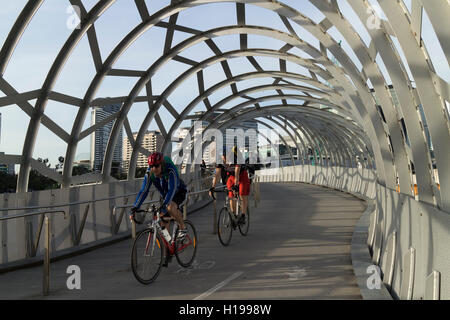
{"x":298,"y":247}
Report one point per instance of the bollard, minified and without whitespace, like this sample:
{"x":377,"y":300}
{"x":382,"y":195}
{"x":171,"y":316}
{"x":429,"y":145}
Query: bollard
{"x":215,"y":217}
{"x":46,"y":284}
{"x":254,"y":192}
{"x":185,"y":209}
{"x":133,"y":229}
{"x":258,"y":194}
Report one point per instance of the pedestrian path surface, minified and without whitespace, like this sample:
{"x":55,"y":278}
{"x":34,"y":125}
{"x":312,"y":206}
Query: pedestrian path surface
{"x":298,"y":247}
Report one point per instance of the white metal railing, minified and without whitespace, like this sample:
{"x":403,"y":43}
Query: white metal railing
{"x":45,"y":220}
{"x":51,"y":209}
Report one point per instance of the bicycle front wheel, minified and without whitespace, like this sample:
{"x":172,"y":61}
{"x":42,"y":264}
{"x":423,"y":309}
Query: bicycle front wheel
{"x":185,"y":249}
{"x":147,"y":256}
{"x":224,"y":227}
{"x":243,"y":227}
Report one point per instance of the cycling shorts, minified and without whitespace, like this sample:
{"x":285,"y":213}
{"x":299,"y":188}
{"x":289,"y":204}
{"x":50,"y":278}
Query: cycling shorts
{"x":244,"y":184}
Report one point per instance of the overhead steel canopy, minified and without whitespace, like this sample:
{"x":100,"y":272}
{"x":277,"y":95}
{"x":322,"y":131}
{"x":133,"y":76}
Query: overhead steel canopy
{"x":338,"y":105}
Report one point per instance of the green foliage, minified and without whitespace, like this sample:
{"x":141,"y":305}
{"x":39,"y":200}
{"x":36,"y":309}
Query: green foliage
{"x":8,"y":182}
{"x":140,"y":172}
{"x":78,"y":171}
{"x":39,"y":182}
{"x":36,"y":182}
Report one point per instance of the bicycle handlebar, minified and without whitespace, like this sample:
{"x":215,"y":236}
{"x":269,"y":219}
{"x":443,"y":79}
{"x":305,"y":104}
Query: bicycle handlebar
{"x":215,"y":191}
{"x":152,"y":209}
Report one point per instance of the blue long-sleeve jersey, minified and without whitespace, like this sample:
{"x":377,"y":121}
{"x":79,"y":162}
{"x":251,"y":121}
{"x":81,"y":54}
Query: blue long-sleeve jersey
{"x":167,"y":185}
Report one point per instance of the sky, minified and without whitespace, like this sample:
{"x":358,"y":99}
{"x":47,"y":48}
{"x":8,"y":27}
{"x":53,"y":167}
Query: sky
{"x":48,"y":31}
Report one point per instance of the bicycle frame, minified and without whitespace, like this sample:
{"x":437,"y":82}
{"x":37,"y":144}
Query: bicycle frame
{"x":156,"y":227}
{"x":227,"y":203}
{"x":238,"y":203}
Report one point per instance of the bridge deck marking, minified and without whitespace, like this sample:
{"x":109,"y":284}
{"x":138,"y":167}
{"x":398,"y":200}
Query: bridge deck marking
{"x":219,"y":286}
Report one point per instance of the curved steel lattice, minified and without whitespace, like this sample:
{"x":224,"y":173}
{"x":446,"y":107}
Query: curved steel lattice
{"x":343,"y":106}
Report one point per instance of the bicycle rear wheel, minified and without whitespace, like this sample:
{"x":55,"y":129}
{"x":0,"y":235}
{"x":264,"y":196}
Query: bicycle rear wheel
{"x":185,"y":250}
{"x":147,"y":256}
{"x":243,"y":228}
{"x":224,"y":227}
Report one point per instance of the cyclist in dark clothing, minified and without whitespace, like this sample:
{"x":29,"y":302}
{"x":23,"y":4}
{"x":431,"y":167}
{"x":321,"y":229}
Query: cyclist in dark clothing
{"x":235,"y":177}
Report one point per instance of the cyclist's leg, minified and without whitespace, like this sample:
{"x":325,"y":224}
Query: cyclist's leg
{"x":178,"y":199}
{"x":244,"y":191}
{"x":175,"y":213}
{"x":230,"y":184}
{"x":244,"y":204}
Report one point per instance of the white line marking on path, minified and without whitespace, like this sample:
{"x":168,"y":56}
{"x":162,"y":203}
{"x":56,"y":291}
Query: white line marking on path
{"x":220,"y":285}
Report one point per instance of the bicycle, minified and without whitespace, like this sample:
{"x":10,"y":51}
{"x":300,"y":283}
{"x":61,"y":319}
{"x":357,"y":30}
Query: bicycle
{"x":150,"y":245}
{"x":227,"y":221}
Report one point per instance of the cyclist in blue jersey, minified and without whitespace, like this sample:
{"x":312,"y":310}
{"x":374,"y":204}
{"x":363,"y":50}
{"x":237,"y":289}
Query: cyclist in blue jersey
{"x":164,"y":175}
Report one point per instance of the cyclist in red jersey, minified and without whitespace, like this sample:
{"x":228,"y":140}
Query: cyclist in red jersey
{"x":236,"y":180}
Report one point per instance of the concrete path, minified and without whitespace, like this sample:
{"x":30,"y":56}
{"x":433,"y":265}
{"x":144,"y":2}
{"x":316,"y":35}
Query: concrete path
{"x":298,"y":247}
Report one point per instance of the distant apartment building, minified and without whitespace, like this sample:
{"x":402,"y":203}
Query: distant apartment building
{"x":152,"y":141}
{"x":100,"y":137}
{"x":182,"y":134}
{"x":250,"y":142}
{"x":6,"y":168}
{"x":208,"y":155}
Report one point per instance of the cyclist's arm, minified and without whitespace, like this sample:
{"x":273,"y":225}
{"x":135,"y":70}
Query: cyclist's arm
{"x":172,"y":189}
{"x":217,"y":176}
{"x":146,"y":184}
{"x":237,"y":171}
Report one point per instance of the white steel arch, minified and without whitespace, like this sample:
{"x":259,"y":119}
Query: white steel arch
{"x":349,"y":90}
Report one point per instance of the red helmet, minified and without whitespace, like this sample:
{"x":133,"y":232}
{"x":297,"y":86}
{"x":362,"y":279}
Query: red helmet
{"x":155,"y":158}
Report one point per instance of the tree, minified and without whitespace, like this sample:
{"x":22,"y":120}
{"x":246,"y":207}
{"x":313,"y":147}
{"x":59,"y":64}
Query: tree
{"x":140,"y":172}
{"x":39,"y":182}
{"x":79,"y":170}
{"x":44,"y":161}
{"x":60,"y":165}
{"x":8,"y":182}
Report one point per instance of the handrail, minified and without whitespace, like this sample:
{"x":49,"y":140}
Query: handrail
{"x":49,"y":209}
{"x":133,"y":225}
{"x":29,"y":214}
{"x":70,"y":203}
{"x":119,"y":221}
{"x":85,"y":201}
{"x":44,"y":221}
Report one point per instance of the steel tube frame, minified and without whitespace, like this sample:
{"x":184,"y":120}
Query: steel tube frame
{"x":430,"y":91}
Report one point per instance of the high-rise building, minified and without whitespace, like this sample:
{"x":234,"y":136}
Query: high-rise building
{"x":179,"y":156}
{"x":208,"y":155}
{"x":6,"y":168}
{"x":99,"y":139}
{"x":152,"y":141}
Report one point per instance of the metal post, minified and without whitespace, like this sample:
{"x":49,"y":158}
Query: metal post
{"x":185,"y":208}
{"x":133,"y":229}
{"x":46,"y":284}
{"x":254,"y":191}
{"x":83,"y":222}
{"x":215,"y":217}
{"x":38,"y":236}
{"x":258,"y":195}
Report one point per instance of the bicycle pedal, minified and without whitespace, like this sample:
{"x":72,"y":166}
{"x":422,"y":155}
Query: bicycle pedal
{"x":167,"y":260}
